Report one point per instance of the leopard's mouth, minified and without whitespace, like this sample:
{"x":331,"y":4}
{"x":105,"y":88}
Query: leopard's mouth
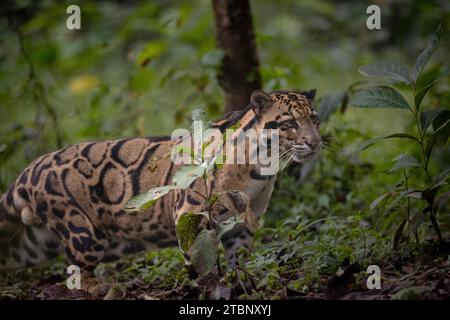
{"x":302,"y":153}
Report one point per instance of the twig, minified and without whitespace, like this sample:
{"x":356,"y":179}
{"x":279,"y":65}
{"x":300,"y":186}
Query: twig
{"x":36,"y":85}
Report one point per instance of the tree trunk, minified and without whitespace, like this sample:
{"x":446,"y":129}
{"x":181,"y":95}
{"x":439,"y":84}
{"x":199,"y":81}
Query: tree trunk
{"x":239,"y":73}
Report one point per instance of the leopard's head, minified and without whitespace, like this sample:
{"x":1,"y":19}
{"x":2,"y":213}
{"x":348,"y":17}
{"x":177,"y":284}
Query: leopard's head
{"x":290,"y":112}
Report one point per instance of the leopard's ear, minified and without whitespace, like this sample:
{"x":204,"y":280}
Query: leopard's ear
{"x":260,"y":100}
{"x":310,"y":94}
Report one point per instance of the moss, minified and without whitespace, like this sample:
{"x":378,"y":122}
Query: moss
{"x":187,"y":230}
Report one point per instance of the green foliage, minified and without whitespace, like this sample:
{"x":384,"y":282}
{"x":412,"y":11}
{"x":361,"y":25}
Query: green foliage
{"x":379,"y":97}
{"x":388,"y":70}
{"x":388,"y":97}
{"x":147,"y":199}
{"x":187,"y":229}
{"x":201,"y":245}
{"x":203,"y":252}
{"x":160,"y":269}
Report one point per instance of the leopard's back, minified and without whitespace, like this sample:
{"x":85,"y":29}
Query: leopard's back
{"x":78,"y":194}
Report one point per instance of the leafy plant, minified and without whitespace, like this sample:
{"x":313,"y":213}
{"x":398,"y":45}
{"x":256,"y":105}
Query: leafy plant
{"x":201,"y":245}
{"x":432,"y":129}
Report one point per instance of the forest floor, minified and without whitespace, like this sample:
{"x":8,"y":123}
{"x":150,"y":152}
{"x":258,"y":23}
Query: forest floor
{"x":425,"y":275}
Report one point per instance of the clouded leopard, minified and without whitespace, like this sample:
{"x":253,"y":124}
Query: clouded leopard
{"x":72,"y":201}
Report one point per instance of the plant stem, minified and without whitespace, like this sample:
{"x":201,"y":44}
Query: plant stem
{"x":422,"y":146}
{"x":408,"y":206}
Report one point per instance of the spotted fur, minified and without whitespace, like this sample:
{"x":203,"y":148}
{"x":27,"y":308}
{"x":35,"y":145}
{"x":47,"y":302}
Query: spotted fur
{"x":72,"y":201}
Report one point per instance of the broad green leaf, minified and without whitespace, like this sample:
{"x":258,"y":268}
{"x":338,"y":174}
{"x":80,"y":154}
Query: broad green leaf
{"x":430,"y":193}
{"x":440,"y":180}
{"x":187,"y":229}
{"x":404,"y":161}
{"x":429,"y":145}
{"x":438,"y":138}
{"x":427,"y":117}
{"x":426,"y":82}
{"x":379,"y":97}
{"x":426,"y":54}
{"x":147,"y":199}
{"x":185,"y":175}
{"x":228,"y":225}
{"x":390,"y":70}
{"x":203,"y":252}
{"x":441,"y":127}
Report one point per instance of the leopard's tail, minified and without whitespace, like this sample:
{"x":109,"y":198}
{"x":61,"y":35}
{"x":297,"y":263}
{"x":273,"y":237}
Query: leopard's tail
{"x":22,"y":244}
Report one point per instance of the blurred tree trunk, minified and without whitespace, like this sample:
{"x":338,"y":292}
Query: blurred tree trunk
{"x":239,"y":73}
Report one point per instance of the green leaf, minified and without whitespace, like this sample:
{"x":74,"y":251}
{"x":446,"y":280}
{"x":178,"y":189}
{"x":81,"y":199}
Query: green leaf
{"x":151,"y":51}
{"x":404,"y":161}
{"x":187,"y":229}
{"x":187,"y":174}
{"x":440,"y":180}
{"x":430,"y":193}
{"x":416,"y":194}
{"x":427,"y":117}
{"x":441,"y":127}
{"x":203,"y":252}
{"x":368,"y":143}
{"x":426,"y":54}
{"x":401,"y":135}
{"x":390,"y":70}
{"x":146,"y":199}
{"x":228,"y":225}
{"x":183,"y":150}
{"x":439,"y":137}
{"x":395,"y":202}
{"x":429,"y":145}
{"x":426,"y":82}
{"x":443,"y":175}
{"x":379,"y":97}
{"x":378,"y":200}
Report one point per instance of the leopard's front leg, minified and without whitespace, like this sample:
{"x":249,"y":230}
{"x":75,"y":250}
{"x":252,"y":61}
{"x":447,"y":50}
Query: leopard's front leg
{"x":229,"y":204}
{"x":226,"y":205}
{"x":188,"y":222}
